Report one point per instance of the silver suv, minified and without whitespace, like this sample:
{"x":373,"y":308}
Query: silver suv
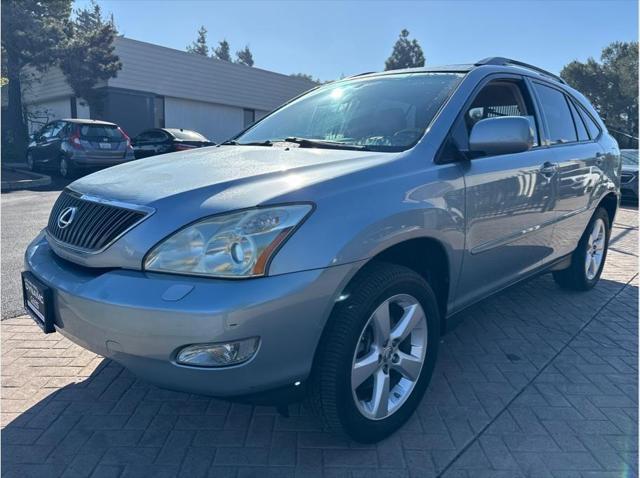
{"x":321,"y":252}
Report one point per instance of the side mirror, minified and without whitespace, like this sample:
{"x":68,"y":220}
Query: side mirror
{"x":503,"y":135}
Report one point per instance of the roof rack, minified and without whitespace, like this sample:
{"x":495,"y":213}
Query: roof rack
{"x":357,"y":75}
{"x":498,"y":60}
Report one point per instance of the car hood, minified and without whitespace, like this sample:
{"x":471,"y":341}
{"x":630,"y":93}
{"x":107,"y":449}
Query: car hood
{"x":181,"y":188}
{"x":223,"y":174}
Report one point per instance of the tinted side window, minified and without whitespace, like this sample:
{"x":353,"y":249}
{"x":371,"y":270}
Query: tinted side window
{"x":57,"y":127}
{"x":592,"y":127}
{"x":46,"y":131}
{"x":580,"y":127}
{"x":157,"y":136}
{"x":556,"y":110}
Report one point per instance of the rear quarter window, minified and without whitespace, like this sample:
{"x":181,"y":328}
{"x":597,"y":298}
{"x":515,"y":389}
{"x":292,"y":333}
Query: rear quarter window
{"x":592,"y":126}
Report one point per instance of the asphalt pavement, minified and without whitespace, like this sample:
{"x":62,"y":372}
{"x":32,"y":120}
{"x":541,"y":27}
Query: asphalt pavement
{"x":24,"y":214}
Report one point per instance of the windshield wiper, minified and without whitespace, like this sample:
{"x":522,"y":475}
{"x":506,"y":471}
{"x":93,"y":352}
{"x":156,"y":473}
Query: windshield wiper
{"x":318,"y":143}
{"x":233,"y":142}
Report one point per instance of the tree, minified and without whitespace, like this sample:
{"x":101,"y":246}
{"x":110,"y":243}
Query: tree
{"x":32,"y":33}
{"x":612,"y":87}
{"x":244,"y":57}
{"x":89,"y":57}
{"x":200,"y":46}
{"x":406,"y":53}
{"x":223,"y":51}
{"x":304,"y":76}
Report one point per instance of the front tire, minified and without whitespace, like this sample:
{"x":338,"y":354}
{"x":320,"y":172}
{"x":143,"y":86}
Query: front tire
{"x":65,"y":169}
{"x":377,"y":354}
{"x":31,"y":163}
{"x":587,"y":261}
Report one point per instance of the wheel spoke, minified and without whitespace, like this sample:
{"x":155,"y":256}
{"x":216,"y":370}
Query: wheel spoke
{"x":408,"y":366}
{"x":380,"y":398}
{"x":412,"y":317}
{"x":381,"y":323}
{"x":364,"y":368}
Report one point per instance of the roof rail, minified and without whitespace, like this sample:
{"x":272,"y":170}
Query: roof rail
{"x":498,"y":60}
{"x":358,"y":74}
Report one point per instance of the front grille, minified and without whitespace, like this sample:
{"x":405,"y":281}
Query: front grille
{"x":95,"y":225}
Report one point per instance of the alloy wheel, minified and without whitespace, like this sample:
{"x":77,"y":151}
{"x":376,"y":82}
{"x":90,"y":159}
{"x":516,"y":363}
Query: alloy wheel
{"x":595,"y":249}
{"x":389,"y":357}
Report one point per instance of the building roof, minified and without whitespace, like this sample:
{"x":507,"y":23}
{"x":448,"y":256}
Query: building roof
{"x":168,"y":72}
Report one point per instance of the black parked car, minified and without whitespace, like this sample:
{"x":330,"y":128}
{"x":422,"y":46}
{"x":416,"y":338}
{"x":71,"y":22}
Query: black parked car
{"x":70,"y":145}
{"x":167,"y":140}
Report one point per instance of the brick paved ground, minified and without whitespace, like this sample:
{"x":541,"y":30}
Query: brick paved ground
{"x":534,"y":382}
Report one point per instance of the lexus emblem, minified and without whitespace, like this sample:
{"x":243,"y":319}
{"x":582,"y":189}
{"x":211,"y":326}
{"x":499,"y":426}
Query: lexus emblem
{"x":66,"y":216}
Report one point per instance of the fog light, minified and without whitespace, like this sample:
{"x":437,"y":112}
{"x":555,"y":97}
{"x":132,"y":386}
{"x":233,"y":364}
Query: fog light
{"x":218,"y":355}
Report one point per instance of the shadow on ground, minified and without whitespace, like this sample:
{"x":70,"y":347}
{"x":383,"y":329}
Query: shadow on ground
{"x":534,"y":380}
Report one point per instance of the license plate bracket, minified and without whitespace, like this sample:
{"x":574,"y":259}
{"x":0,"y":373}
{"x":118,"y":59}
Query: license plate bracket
{"x":38,"y":301}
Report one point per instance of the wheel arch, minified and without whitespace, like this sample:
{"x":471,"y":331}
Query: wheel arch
{"x":610,"y":203}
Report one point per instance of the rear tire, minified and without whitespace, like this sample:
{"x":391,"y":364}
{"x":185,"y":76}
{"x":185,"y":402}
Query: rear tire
{"x":587,"y":261}
{"x":411,"y":348}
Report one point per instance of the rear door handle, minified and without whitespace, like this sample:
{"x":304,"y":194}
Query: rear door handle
{"x":549,"y":169}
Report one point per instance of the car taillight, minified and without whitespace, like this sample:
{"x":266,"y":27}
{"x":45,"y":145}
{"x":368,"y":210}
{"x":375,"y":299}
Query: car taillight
{"x":74,"y":139}
{"x":125,"y":136}
{"x":183,"y":147}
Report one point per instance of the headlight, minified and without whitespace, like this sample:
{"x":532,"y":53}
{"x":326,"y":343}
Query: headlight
{"x":238,"y":244}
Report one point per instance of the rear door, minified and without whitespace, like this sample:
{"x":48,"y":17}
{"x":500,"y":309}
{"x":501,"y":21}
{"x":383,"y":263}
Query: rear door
{"x":509,"y":197}
{"x":579,"y":157}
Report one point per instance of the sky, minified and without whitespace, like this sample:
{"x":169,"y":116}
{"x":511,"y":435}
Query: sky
{"x":331,"y":39}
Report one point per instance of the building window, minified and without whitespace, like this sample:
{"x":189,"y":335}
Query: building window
{"x":158,"y":112}
{"x":249,"y":117}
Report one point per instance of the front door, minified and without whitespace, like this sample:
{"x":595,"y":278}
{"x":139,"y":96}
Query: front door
{"x":510,"y":199}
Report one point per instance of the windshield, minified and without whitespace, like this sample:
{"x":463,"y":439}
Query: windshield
{"x":383,"y":113}
{"x":629,"y":156}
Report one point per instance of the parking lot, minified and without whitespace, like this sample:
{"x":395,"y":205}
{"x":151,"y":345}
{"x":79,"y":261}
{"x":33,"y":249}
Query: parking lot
{"x":533,"y":382}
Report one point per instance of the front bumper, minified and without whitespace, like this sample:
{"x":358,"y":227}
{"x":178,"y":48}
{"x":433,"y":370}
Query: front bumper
{"x":141,"y":319}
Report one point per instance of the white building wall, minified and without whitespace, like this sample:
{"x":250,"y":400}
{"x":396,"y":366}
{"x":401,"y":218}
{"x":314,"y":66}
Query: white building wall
{"x":82,"y":108}
{"x":216,"y":122}
{"x":44,"y":111}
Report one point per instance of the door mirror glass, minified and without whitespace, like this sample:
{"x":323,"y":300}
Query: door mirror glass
{"x":502,"y":135}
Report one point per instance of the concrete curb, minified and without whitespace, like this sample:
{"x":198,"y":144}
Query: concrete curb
{"x":37,"y":181}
